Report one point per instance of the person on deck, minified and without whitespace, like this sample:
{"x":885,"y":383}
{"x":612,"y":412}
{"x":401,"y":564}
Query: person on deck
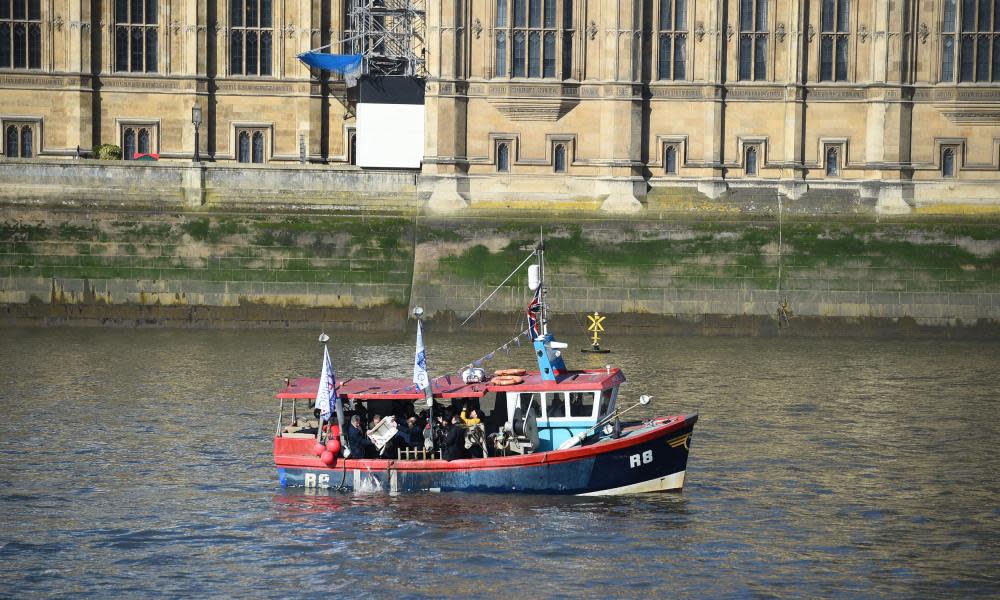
{"x":454,"y":443}
{"x":472,"y":419}
{"x":441,"y":428}
{"x":357,"y":441}
{"x":413,"y":433}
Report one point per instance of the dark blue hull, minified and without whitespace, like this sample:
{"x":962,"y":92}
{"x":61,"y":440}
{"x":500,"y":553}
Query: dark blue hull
{"x":654,"y":461}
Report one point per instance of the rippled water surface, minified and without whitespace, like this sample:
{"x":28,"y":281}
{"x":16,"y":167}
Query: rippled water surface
{"x":138,"y":463}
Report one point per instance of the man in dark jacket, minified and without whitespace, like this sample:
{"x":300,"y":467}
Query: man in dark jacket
{"x":411,"y":435}
{"x":357,"y":441}
{"x":454,"y":443}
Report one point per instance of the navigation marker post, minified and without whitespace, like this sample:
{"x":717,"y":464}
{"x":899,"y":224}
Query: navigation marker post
{"x":595,"y":327}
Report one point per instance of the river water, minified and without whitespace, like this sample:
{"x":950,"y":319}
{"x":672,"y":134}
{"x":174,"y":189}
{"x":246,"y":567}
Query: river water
{"x":138,"y":463}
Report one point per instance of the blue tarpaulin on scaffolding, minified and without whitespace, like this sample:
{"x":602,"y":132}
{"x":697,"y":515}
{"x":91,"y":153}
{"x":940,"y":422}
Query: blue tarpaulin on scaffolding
{"x":339,"y":63}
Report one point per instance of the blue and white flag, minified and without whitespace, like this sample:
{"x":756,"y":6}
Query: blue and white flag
{"x":420,"y":362}
{"x":327,"y":382}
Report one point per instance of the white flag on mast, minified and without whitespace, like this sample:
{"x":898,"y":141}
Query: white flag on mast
{"x":420,"y":362}
{"x":327,"y":383}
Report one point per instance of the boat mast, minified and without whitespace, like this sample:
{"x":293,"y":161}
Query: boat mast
{"x":543,"y":313}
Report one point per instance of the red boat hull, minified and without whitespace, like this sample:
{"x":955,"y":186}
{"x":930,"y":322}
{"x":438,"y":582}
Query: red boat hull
{"x":649,"y":457}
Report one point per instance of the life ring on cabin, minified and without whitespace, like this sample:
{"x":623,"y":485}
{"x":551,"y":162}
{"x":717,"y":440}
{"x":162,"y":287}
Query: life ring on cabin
{"x":509,"y":372}
{"x":506,"y":380}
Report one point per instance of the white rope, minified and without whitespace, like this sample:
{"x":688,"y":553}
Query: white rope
{"x":512,"y":273}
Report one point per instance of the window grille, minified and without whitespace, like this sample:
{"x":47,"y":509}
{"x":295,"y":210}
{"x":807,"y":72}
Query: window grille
{"x":527,"y":35}
{"x":835,"y":39}
{"x":251,"y":37}
{"x":251,"y":146}
{"x":754,"y":40}
{"x":973,"y":54}
{"x":672,"y":59}
{"x":137,"y":139}
{"x":19,"y":140}
{"x":136,"y":33}
{"x":20,"y":34}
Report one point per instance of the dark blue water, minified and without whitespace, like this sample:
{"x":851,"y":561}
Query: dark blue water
{"x":138,"y":463}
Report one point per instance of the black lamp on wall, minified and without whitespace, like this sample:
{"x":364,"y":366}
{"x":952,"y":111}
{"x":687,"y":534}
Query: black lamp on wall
{"x":196,"y":121}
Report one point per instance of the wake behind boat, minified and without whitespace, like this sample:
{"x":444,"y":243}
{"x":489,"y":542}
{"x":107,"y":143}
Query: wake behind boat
{"x":552,"y":430}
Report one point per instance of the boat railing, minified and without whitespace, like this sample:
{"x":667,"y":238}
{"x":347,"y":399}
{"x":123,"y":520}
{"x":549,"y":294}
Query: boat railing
{"x":417,"y":454}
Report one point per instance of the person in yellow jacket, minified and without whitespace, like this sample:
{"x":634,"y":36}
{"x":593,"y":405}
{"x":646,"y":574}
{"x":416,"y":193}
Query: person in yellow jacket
{"x":472,"y":419}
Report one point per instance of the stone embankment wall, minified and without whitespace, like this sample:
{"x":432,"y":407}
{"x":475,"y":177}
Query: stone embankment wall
{"x":687,"y":265}
{"x":209,"y":245}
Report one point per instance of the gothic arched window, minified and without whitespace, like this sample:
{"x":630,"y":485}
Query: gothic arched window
{"x":20,"y":34}
{"x":753,"y":40}
{"x":751,"y":161}
{"x":670,"y":160}
{"x":834,"y":38}
{"x":258,"y":147}
{"x":251,"y":37}
{"x":143,"y":141}
{"x":136,"y":32}
{"x":832,"y":162}
{"x":503,"y":158}
{"x":673,"y":28}
{"x":11,"y":147}
{"x":27,"y":137}
{"x":534,"y":28}
{"x":128,"y":144}
{"x":970,"y":41}
{"x":948,"y":162}
{"x":244,"y":147}
{"x":559,"y":158}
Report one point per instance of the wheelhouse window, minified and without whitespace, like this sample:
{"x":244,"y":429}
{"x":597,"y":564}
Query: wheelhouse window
{"x":670,"y":159}
{"x":606,"y":397}
{"x":251,"y":37}
{"x":20,"y":34}
{"x":251,"y":146}
{"x":753,"y":40}
{"x":528,"y":35}
{"x":532,"y":401}
{"x":832,"y":162}
{"x":672,"y":59}
{"x":555,"y":406}
{"x":135,"y":36}
{"x":19,"y":140}
{"x":834,"y":40}
{"x":974,"y":52}
{"x":581,"y":404}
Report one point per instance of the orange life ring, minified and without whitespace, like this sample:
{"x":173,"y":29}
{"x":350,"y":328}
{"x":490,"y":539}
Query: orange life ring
{"x":506,"y":380}
{"x":509,"y":372}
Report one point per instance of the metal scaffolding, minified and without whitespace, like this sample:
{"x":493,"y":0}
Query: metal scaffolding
{"x":389,"y":34}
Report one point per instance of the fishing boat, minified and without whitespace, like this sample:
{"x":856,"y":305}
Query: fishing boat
{"x":551,"y":430}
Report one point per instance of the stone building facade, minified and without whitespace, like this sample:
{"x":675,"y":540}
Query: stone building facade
{"x":897,"y":101}
{"x":128,"y":72}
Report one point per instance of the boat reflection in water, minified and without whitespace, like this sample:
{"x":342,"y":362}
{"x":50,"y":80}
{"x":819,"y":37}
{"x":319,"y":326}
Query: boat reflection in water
{"x":549,"y":431}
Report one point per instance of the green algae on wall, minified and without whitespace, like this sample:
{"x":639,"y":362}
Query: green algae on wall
{"x":370,"y":259}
